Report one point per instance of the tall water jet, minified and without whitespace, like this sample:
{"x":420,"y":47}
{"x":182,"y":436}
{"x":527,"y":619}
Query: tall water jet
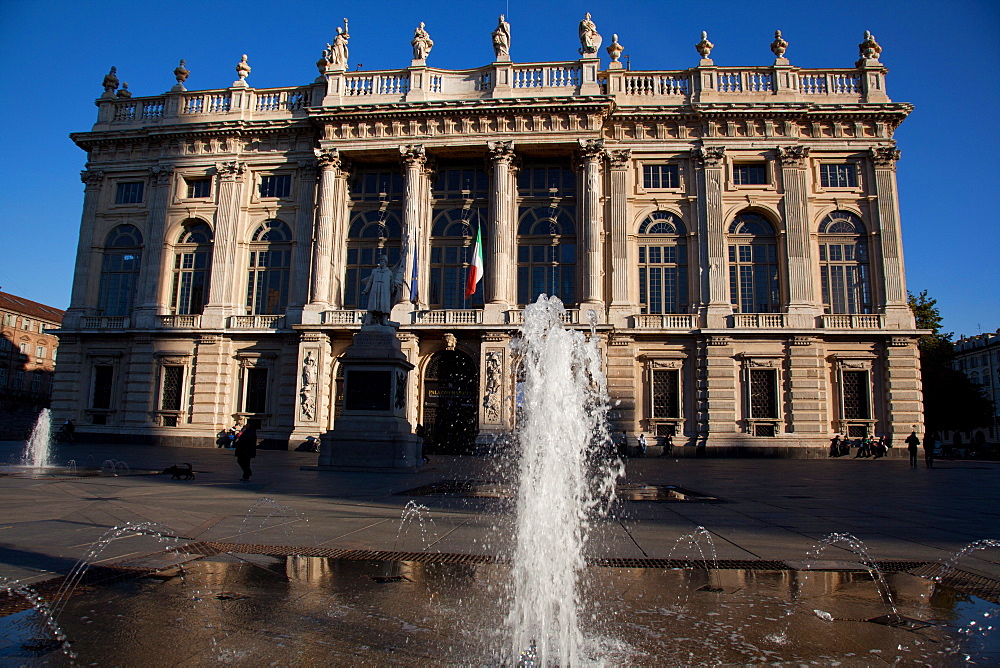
{"x":37,"y":448}
{"x":563,"y":481}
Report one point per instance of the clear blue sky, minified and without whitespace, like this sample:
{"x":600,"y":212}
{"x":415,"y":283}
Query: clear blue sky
{"x":943,"y":57}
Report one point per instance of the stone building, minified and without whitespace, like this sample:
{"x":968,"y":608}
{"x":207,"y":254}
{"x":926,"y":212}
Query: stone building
{"x":27,"y":362}
{"x":978,"y":357}
{"x":734,"y":230}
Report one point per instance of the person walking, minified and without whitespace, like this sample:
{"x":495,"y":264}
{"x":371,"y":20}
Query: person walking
{"x":911,"y":445}
{"x":929,"y":447}
{"x":668,"y":446}
{"x":623,"y":445}
{"x":245,"y":449}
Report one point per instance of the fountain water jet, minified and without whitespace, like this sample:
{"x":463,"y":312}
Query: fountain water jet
{"x":562,"y":482}
{"x":37,"y":449}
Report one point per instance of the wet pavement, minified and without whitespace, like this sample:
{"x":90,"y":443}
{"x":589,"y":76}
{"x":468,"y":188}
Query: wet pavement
{"x":762,"y":511}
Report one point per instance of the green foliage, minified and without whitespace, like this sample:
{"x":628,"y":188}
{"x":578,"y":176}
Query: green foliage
{"x":951,"y":400}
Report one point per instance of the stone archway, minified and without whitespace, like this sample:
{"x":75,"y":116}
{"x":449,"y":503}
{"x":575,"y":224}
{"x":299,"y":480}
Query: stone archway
{"x":451,"y":403}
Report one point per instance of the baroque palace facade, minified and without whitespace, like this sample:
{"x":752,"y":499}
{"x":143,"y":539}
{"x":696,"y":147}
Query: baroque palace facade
{"x":734,"y":231}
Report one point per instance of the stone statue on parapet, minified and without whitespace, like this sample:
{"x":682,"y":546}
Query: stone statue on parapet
{"x":422,"y":43}
{"x":501,"y":40}
{"x":110,"y":82}
{"x":383,"y":287}
{"x":124,"y":93}
{"x":338,"y":54}
{"x":181,"y":73}
{"x":869,"y":48}
{"x":590,"y":39}
{"x":243,"y":68}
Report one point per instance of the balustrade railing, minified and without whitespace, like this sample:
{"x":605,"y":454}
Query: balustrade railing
{"x":854,"y":321}
{"x":105,"y":322}
{"x":545,"y":76}
{"x":665,"y":321}
{"x":256,"y":321}
{"x":184,"y":321}
{"x":758,"y":320}
{"x":656,"y":85}
{"x":570,"y":317}
{"x":448,"y":317}
{"x":343,"y":317}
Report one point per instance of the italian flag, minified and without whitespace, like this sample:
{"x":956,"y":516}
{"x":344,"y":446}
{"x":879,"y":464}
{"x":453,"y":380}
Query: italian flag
{"x":476,"y":268}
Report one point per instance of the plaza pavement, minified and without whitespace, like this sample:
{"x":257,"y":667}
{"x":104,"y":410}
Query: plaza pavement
{"x":772,"y":509}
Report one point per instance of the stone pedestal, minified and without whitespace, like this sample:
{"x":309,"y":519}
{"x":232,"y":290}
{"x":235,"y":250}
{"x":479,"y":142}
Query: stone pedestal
{"x":372,"y":432}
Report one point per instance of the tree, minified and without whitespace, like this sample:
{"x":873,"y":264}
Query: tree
{"x":952,"y":402}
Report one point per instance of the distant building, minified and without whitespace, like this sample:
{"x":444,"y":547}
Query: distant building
{"x":735,"y":232}
{"x":978,"y":357}
{"x":27,"y":361}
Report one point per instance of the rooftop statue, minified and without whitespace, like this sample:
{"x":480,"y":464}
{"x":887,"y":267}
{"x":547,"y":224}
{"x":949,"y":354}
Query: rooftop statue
{"x":110,"y":82}
{"x":422,"y":43}
{"x":383,"y":289}
{"x":869,"y":49}
{"x":704,"y":47}
{"x":338,"y":54}
{"x":779,"y":45}
{"x":615,"y":49}
{"x":501,"y":40}
{"x":125,"y":92}
{"x":181,"y":73}
{"x":590,"y":39}
{"x":243,"y":68}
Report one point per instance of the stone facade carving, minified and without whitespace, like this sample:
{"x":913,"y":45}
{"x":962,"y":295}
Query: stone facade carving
{"x":869,"y":48}
{"x":243,"y":68}
{"x":230,"y":170}
{"x":615,"y":49}
{"x":450,"y":342}
{"x":493,"y":391}
{"x":704,"y":47}
{"x":110,"y":82}
{"x":779,"y":45}
{"x":885,"y":156}
{"x":501,"y":150}
{"x":338,"y":51}
{"x":590,"y":39}
{"x":422,"y":43}
{"x":181,"y":73}
{"x":161,"y":174}
{"x":793,"y":156}
{"x":620,"y":158}
{"x":92,"y":178}
{"x":709,"y":156}
{"x":591,"y":149}
{"x":124,"y":93}
{"x":328,"y":158}
{"x":501,"y":40}
{"x":307,"y":395}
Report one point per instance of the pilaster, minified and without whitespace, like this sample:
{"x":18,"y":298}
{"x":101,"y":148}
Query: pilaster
{"x":213,"y":384}
{"x":903,"y":388}
{"x":714,"y":283}
{"x":313,"y":405}
{"x":619,"y":162}
{"x":322,"y":237}
{"x":153,"y":267}
{"x":416,"y":187}
{"x":222,"y":290}
{"x":299,"y":293}
{"x":496,"y":415}
{"x":802,"y":308}
{"x":807,"y":387}
{"x":623,"y":386}
{"x":717,"y":405}
{"x":500,"y":238}
{"x":897,"y":312}
{"x":93,"y":180}
{"x":592,"y":271}
{"x":140,"y":382}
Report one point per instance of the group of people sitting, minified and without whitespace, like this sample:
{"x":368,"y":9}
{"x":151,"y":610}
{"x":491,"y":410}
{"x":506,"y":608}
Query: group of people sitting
{"x":868,"y":446}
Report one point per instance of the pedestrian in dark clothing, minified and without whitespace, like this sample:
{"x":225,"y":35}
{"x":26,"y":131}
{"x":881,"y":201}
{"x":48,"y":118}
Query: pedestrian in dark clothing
{"x":245,"y":449}
{"x":911,"y":445}
{"x":929,"y":453}
{"x":668,"y":446}
{"x":835,"y":446}
{"x":623,"y":445}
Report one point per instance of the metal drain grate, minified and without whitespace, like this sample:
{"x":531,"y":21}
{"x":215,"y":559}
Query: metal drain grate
{"x":486,"y":489}
{"x":985,"y":588}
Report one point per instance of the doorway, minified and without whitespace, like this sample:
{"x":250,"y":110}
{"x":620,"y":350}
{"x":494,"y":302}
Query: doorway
{"x":451,"y":404}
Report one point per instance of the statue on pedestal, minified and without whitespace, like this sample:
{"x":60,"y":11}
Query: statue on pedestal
{"x":590,"y":39}
{"x":501,"y":40}
{"x":110,"y":83}
{"x":422,"y":43}
{"x":242,"y":69}
{"x":338,"y":50}
{"x":383,"y":289}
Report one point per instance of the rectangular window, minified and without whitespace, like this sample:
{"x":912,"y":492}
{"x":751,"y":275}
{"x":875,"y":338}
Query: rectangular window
{"x":276,"y":185}
{"x":170,"y":397}
{"x":36,"y":382}
{"x":763,"y":394}
{"x":750,"y":175}
{"x":129,"y":193}
{"x":857,"y":395}
{"x":198,"y":188}
{"x":23,"y":348}
{"x":838,"y":176}
{"x":666,"y":396}
{"x":25,"y":324}
{"x":40,"y":351}
{"x":18,"y":379}
{"x":9,"y":319}
{"x":255,"y":390}
{"x":660,"y":176}
{"x":103,"y":381}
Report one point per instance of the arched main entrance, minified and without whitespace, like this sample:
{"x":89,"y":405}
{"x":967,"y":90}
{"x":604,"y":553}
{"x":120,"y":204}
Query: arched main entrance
{"x":451,"y":403}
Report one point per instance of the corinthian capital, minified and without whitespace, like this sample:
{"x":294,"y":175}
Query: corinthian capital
{"x":620,"y":158}
{"x":708,"y":156}
{"x":161,"y":174}
{"x":92,"y":178}
{"x":885,"y":156}
{"x":413,"y":155}
{"x":793,"y":156}
{"x":591,"y":149}
{"x":501,"y":151}
{"x":328,"y":158}
{"x":230,"y":170}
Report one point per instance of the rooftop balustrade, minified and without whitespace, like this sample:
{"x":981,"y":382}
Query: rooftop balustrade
{"x":340,"y":89}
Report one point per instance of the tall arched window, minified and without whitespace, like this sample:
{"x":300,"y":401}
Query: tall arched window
{"x":546,"y":255}
{"x":452,"y":236}
{"x":120,"y":270}
{"x":270,"y":265}
{"x":753,"y":265}
{"x":663,"y":284}
{"x":371,"y":234}
{"x":843,"y":264}
{"x":192,"y":264}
